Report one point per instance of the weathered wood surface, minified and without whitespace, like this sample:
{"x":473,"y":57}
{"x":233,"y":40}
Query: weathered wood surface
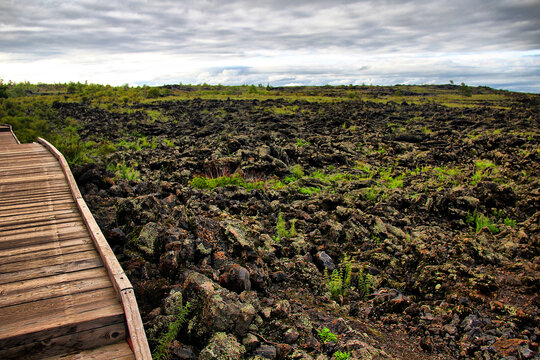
{"x":63,"y":294}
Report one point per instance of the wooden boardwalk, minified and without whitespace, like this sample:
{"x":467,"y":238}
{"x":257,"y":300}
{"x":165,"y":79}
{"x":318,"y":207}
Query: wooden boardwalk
{"x":63,"y":294}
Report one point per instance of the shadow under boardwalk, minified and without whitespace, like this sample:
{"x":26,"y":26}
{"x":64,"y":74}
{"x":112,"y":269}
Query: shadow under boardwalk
{"x":63,"y":294}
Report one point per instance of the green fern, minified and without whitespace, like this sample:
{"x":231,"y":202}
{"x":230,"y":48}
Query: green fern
{"x":292,"y":230}
{"x":480,"y":222}
{"x":161,"y":352}
{"x":347,"y":269}
{"x":281,"y":230}
{"x":340,"y":280}
{"x":326,"y":335}
{"x":334,"y":283}
{"x":364,"y":283}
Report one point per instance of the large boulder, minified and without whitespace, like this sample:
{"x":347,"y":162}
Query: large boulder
{"x":216,"y":309}
{"x":222,"y":346}
{"x":147,"y":237}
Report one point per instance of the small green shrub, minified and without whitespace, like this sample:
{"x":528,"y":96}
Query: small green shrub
{"x":481,"y":165}
{"x":301,"y":142}
{"x":309,"y":190}
{"x":292,"y":230}
{"x":396,"y":182}
{"x":168,"y":143}
{"x":3,"y":90}
{"x":71,"y":88}
{"x":465,"y":90}
{"x":480,"y":222}
{"x":372,"y":193}
{"x":161,"y":352}
{"x":483,"y":168}
{"x":338,"y":355}
{"x":326,"y":335}
{"x":297,"y":171}
{"x":281,"y":228}
{"x":69,"y":143}
{"x":205,"y":183}
{"x":126,"y":172}
{"x":340,"y":280}
{"x":153,"y":93}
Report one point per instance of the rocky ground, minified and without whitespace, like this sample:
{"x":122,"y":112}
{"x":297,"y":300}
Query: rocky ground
{"x":410,"y":231}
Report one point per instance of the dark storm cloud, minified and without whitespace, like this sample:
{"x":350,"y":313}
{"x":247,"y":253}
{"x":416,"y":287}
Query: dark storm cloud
{"x":239,"y":28}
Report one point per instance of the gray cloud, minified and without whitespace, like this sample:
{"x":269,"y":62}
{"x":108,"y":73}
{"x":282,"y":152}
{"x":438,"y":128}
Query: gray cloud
{"x":217,"y":30}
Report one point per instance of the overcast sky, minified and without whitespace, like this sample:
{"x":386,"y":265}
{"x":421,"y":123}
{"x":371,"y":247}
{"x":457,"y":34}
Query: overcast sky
{"x":281,"y":42}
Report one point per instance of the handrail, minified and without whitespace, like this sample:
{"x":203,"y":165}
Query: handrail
{"x":10,"y":129}
{"x":137,"y":338}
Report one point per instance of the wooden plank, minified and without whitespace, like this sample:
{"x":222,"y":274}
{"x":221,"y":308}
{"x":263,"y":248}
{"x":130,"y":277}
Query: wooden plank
{"x":55,"y":290}
{"x":29,"y":217}
{"x":62,"y":322}
{"x":29,"y":165}
{"x":28,"y":237}
{"x":21,"y":147}
{"x":46,"y":241}
{"x":49,"y":311}
{"x":32,"y":145}
{"x":80,"y":341}
{"x":16,"y":267}
{"x":51,"y":164}
{"x":41,"y":249}
{"x":23,"y":159}
{"x":40,"y":182}
{"x":21,"y":234}
{"x":33,"y":186}
{"x":7,"y":164}
{"x":28,"y":285}
{"x":60,"y":204}
{"x":25,"y":147}
{"x":28,"y":224}
{"x":120,"y":351}
{"x":28,"y":256}
{"x":18,"y":193}
{"x":14,"y":180}
{"x":8,"y":254}
{"x":13,"y":173}
{"x":11,"y":145}
{"x":32,"y":198}
{"x":20,"y":151}
{"x":24,"y":162}
{"x":58,"y":186}
{"x":91,"y":262}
